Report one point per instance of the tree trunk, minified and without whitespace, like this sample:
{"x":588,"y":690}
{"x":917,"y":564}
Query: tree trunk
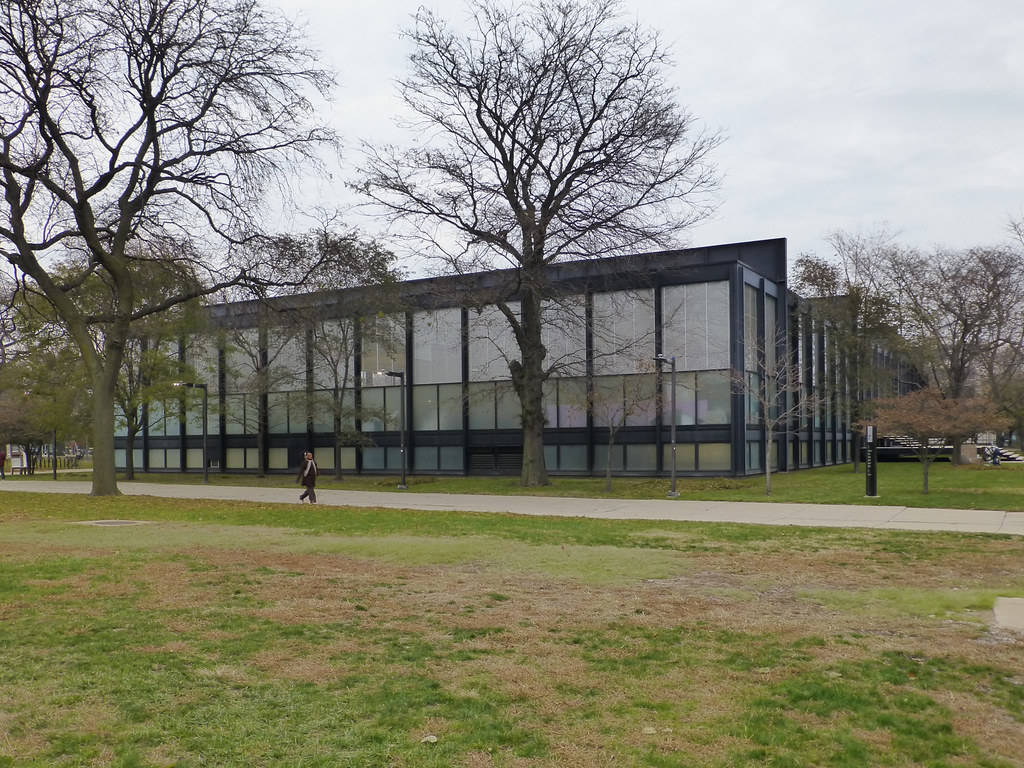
{"x":104,"y":473}
{"x":129,"y":455}
{"x":956,"y":458}
{"x":528,"y":380}
{"x":608,"y":463}
{"x":534,"y":472}
{"x":336,"y":399}
{"x":927,"y":465}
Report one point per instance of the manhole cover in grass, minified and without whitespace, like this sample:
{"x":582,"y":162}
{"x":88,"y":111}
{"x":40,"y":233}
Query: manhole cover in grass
{"x":112,"y":522}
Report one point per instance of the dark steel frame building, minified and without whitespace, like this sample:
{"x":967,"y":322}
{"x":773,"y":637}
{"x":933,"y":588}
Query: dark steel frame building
{"x":724,"y":312}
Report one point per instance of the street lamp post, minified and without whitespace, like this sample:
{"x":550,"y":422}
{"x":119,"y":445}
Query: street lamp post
{"x":206,"y":410}
{"x":400,"y":375}
{"x":659,"y":359}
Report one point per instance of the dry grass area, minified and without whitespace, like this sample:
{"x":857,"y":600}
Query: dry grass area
{"x":742,"y":655}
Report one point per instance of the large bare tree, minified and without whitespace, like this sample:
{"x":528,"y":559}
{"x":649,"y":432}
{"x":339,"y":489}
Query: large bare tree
{"x":547,"y":133}
{"x":149,"y":121}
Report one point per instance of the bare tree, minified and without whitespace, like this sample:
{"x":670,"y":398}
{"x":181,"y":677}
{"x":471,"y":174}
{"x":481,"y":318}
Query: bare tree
{"x":775,"y":395}
{"x":156,"y":122}
{"x":548,"y":134}
{"x":617,"y":400}
{"x":961,"y":308}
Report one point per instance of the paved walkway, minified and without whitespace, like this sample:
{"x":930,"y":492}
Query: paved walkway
{"x":830,"y":515}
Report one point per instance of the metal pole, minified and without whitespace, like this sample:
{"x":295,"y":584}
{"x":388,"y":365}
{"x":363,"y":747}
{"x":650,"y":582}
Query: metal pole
{"x":673,"y":493}
{"x":206,"y":460}
{"x":401,"y":411}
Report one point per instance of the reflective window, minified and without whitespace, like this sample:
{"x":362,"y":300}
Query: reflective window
{"x":623,"y":332}
{"x":695,"y":325}
{"x":481,"y":406}
{"x":383,"y":348}
{"x":491,"y":343}
{"x":713,"y":397}
{"x":437,"y":346}
{"x":563,"y":332}
{"x":715,"y":456}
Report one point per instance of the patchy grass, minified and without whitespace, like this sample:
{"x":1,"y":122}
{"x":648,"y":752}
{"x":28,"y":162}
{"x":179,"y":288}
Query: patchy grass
{"x":232,"y":634}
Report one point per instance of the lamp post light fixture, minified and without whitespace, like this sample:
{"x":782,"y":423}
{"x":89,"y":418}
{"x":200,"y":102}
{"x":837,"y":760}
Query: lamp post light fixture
{"x":400,"y":375}
{"x":659,"y":359}
{"x":206,"y":410}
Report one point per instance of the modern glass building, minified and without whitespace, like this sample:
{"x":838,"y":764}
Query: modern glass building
{"x":273,"y":370}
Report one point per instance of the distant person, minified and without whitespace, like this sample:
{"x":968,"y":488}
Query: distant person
{"x":3,"y":460}
{"x":995,"y":455}
{"x":307,"y":477}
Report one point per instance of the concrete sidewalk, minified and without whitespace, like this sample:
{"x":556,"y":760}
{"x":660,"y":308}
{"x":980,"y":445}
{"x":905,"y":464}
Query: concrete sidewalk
{"x":761,"y":513}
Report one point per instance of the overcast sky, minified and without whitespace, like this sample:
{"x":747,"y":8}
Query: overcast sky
{"x":838,"y":115}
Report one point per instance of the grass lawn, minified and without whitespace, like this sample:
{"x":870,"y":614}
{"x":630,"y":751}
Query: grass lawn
{"x":899,"y":484}
{"x":240,"y":634}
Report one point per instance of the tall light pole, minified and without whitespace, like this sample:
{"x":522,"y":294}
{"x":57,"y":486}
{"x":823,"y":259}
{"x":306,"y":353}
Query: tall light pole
{"x":400,"y":375}
{"x":206,"y":410}
{"x":659,"y":359}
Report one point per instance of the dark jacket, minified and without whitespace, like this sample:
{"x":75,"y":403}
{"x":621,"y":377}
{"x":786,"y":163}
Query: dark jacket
{"x":307,"y":473}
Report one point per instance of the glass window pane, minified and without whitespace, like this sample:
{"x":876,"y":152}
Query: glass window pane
{"x":695,"y":328}
{"x":601,"y":453}
{"x":277,"y":458}
{"x":373,"y":458}
{"x":252,"y":415}
{"x":641,"y":400}
{"x":686,"y":397}
{"x":234,"y":421}
{"x":424,"y":408}
{"x":333,"y":354}
{"x":686,"y":457}
{"x":550,"y":405}
{"x":323,"y":411}
{"x":481,"y":406}
{"x":373,"y":409}
{"x":234,"y":458}
{"x":156,"y":458}
{"x":642,"y":458}
{"x":717,"y":295}
{"x":451,"y":458}
{"x":509,"y":412}
{"x":383,"y":349}
{"x":393,"y":408}
{"x":491,"y":343}
{"x":715,"y":457}
{"x":426,"y":458}
{"x":750,"y":339}
{"x":753,"y":454}
{"x":572,"y":403}
{"x":277,"y":413}
{"x":449,"y":404}
{"x":437,"y":346}
{"x":608,"y":401}
{"x":156,"y":418}
{"x":563,"y":331}
{"x":394,"y":458}
{"x":286,"y":359}
{"x":572,"y":458}
{"x":623,"y":331}
{"x":713,"y":397}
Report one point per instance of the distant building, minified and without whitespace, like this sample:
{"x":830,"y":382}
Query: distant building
{"x":723,"y":312}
